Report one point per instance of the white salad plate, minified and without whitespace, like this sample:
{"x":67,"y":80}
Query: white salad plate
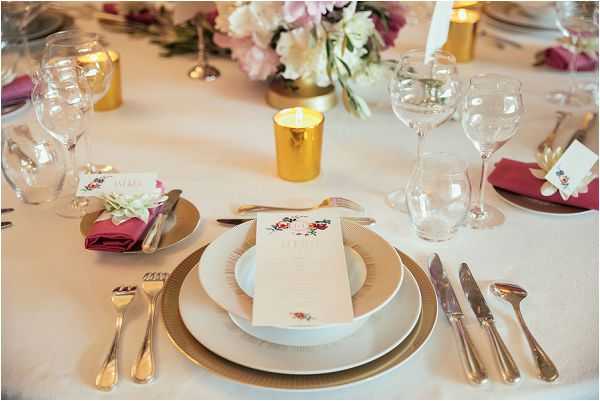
{"x":384,"y":269}
{"x":212,"y":327}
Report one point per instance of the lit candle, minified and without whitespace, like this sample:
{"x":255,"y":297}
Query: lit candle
{"x":113,"y":97}
{"x":462,"y":34}
{"x":298,"y":142}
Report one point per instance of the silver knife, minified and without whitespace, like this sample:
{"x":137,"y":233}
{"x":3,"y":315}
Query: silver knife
{"x":506,"y":363}
{"x":581,"y":133}
{"x":469,"y":357}
{"x":367,"y":221}
{"x":152,"y":239}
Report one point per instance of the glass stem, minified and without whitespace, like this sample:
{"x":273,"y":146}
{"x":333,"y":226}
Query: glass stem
{"x":29,"y":65}
{"x":420,"y":144}
{"x":484,"y":159}
{"x":573,"y":64}
{"x":202,"y":57}
{"x":72,"y":167}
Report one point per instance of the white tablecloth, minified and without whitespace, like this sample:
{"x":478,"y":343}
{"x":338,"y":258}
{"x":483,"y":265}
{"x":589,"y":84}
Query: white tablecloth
{"x":215,"y":141}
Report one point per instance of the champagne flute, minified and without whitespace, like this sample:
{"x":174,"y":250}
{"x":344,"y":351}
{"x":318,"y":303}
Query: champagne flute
{"x":577,"y":20}
{"x":424,"y":92}
{"x":63,"y":104}
{"x":492,"y":109}
{"x":86,"y":51}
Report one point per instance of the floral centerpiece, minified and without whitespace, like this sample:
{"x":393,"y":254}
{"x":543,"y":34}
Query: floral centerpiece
{"x":327,"y":42}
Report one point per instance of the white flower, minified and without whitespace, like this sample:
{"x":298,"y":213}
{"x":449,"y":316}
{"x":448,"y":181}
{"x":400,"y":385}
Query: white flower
{"x":357,"y":26}
{"x":120,"y":207}
{"x":303,"y":55}
{"x":256,"y":19}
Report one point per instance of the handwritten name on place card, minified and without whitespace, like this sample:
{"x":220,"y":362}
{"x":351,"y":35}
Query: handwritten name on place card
{"x":128,"y":184}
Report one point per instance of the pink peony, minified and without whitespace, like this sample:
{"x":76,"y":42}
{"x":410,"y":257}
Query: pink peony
{"x":396,"y":21}
{"x":303,"y":13}
{"x":254,"y":60}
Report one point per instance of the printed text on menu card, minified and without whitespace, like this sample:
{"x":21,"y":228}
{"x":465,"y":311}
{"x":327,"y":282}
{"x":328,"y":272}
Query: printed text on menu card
{"x":301,"y":276}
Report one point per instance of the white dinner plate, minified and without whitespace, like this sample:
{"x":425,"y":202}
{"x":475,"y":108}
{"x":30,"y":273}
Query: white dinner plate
{"x":213,"y":328}
{"x":384,"y":269}
{"x":512,"y":14}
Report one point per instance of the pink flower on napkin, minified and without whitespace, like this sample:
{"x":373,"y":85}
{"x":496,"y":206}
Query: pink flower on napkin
{"x":259,"y":63}
{"x":558,"y":57}
{"x":515,"y":176}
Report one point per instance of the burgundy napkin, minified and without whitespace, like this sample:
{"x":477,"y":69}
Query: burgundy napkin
{"x":108,"y":237}
{"x":17,"y":91}
{"x":514,"y":176}
{"x":558,"y":57}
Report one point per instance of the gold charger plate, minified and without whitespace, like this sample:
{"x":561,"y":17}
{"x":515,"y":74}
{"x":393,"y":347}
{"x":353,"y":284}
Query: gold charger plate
{"x":197,"y":353}
{"x":180,"y":224}
{"x":538,"y":205}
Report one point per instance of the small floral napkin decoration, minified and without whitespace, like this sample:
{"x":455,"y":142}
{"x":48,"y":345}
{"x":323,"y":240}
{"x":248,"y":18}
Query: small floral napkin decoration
{"x":546,"y":161}
{"x":120,"y":207}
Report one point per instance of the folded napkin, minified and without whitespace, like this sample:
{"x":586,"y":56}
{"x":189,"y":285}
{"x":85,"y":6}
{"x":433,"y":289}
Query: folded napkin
{"x":109,"y":237}
{"x":558,"y":57}
{"x":17,"y":91}
{"x":515,"y":176}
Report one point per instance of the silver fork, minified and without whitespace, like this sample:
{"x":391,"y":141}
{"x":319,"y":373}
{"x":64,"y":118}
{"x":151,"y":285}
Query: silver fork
{"x":109,"y":374}
{"x":144,"y":367}
{"x":327,"y":202}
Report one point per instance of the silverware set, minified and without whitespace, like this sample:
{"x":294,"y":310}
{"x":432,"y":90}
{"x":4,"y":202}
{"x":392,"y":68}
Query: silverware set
{"x":144,"y":369}
{"x":579,"y":134}
{"x":471,"y":361}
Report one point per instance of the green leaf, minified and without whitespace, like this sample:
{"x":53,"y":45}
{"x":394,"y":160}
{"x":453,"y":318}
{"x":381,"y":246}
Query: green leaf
{"x":345,"y":66}
{"x":349,"y":44}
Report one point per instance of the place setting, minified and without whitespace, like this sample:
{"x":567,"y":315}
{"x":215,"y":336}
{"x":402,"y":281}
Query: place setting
{"x":301,"y":281}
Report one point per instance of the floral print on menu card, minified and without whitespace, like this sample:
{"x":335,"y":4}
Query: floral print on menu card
{"x":298,"y":226}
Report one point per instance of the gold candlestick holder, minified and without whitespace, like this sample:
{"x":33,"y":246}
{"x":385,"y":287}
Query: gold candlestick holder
{"x":462,"y":34}
{"x":298,"y":143}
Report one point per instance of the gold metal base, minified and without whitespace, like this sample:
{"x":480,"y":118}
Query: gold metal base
{"x":204,"y":73}
{"x":300,"y":93}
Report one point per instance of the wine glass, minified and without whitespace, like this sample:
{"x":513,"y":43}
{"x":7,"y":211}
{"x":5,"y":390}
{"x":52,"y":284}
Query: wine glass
{"x":577,"y":20}
{"x":85,"y":50}
{"x":492,"y":109}
{"x":62,"y":101}
{"x":21,"y":13}
{"x":424,"y":92}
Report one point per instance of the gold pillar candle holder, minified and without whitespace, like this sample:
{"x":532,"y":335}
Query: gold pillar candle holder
{"x":298,"y":143}
{"x":301,"y":92}
{"x":462,"y":34}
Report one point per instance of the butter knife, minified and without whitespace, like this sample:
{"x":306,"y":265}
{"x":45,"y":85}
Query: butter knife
{"x":367,"y":221}
{"x":469,"y":357}
{"x":154,"y":234}
{"x":581,"y":133}
{"x":508,"y":367}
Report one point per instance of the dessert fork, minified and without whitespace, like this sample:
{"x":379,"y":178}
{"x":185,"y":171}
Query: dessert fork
{"x":327,"y":202}
{"x":144,"y":367}
{"x":109,"y":374}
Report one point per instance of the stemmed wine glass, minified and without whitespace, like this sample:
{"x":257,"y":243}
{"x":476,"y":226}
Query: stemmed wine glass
{"x":577,"y":20}
{"x":22,"y":13}
{"x":492,"y":109}
{"x":86,"y":51}
{"x":62,"y":101}
{"x":424,"y":92}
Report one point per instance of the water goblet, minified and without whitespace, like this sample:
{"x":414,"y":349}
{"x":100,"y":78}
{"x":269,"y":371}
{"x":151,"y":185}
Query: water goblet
{"x":62,"y":103}
{"x":424,"y":92}
{"x":491,"y":112}
{"x":438,"y":196}
{"x":86,"y":51}
{"x":577,"y":20}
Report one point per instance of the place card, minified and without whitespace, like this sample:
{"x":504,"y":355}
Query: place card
{"x":301,"y":276}
{"x":126,"y":184}
{"x":572,"y":167}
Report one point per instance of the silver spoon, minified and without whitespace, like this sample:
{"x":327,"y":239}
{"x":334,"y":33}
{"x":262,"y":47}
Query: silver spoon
{"x":513,"y":294}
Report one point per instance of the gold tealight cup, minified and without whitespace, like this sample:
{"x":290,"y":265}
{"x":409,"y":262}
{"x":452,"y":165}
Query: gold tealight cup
{"x":113,"y":98}
{"x":298,"y":143}
{"x":462,"y":34}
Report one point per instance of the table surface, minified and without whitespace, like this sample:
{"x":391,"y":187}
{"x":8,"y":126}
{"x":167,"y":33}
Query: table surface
{"x":215,"y":141}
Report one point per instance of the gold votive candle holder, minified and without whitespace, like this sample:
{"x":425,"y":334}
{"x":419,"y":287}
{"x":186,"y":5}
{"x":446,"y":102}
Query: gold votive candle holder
{"x":113,"y":97}
{"x":462,"y":34}
{"x":298,"y":143}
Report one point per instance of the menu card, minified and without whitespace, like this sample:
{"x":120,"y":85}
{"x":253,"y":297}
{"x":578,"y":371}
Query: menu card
{"x":301,"y":275}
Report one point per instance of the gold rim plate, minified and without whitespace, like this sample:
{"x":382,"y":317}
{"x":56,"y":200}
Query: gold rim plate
{"x":538,"y":205}
{"x":197,"y":353}
{"x":181,"y":223}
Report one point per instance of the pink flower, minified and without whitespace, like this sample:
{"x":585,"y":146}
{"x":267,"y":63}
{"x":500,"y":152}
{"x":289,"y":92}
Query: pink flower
{"x":254,"y":60}
{"x":303,"y":13}
{"x":396,"y":21}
